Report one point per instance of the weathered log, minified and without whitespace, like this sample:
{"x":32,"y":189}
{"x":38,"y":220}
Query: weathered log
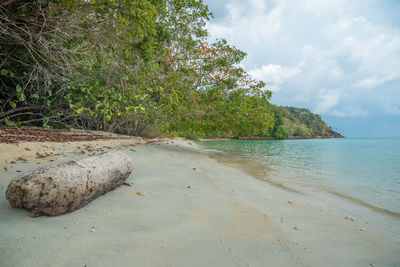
{"x":60,"y":188}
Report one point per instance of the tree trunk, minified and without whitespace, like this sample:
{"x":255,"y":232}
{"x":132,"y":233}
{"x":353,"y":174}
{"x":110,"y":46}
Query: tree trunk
{"x":60,"y":188}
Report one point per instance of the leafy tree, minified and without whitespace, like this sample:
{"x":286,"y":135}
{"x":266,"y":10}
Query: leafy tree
{"x":135,"y":67}
{"x":280,"y":132}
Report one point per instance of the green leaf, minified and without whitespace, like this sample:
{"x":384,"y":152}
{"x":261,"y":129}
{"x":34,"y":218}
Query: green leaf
{"x":139,"y":107}
{"x":12,"y":104}
{"x":18,"y":87}
{"x":4,"y":72}
{"x":21,"y":96}
{"x":9,"y":123}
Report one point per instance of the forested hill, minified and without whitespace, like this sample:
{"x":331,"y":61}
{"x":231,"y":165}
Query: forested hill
{"x":134,"y":67}
{"x":292,"y":122}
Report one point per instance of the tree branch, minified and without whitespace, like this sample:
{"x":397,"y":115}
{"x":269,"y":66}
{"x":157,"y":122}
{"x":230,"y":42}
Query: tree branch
{"x":12,"y":111}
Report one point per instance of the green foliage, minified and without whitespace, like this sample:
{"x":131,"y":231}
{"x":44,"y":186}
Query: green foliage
{"x":280,"y":132}
{"x":298,"y":122}
{"x":134,"y":67}
{"x":9,"y":123}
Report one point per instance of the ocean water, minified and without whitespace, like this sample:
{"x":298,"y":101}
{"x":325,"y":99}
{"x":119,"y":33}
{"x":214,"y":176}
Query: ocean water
{"x":363,"y":171}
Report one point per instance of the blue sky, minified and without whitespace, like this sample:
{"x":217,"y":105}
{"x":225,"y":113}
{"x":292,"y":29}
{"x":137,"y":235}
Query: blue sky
{"x":339,"y":58}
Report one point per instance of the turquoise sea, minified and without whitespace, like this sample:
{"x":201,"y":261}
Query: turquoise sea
{"x":365,"y":172}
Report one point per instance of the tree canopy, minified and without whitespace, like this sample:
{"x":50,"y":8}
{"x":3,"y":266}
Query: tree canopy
{"x":127,"y":66}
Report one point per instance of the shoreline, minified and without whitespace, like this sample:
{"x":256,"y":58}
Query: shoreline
{"x":388,"y":221}
{"x":197,"y":210}
{"x":253,"y":138}
{"x":351,"y":204}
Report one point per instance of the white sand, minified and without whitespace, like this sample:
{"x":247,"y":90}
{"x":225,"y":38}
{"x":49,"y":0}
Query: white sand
{"x":213,"y":215}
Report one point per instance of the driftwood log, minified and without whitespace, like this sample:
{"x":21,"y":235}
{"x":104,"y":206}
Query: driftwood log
{"x":64,"y":187}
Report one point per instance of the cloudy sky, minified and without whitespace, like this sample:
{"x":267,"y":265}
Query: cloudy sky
{"x":339,"y":58}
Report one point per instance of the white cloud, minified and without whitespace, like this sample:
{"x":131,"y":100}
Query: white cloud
{"x":274,"y":75}
{"x":350,"y":111}
{"x":367,"y":83}
{"x":247,"y":18}
{"x":319,"y":7}
{"x":327,"y":100}
{"x":373,"y":82}
{"x":328,"y":55}
{"x":375,"y":50}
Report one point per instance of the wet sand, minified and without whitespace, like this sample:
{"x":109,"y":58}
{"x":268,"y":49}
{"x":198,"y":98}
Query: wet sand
{"x":196,"y":211}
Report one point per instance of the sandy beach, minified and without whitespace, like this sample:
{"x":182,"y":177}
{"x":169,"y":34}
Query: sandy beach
{"x":192,"y":210}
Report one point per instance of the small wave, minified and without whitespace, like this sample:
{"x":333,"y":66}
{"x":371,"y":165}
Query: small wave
{"x":209,"y":150}
{"x":251,"y":167}
{"x":367,"y":205}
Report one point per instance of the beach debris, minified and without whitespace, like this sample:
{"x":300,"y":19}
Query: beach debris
{"x":189,"y":186}
{"x":63,"y":187}
{"x":295,"y":228}
{"x":5,"y":168}
{"x":93,"y":229}
{"x":89,"y":149}
{"x":350,"y":218}
{"x":290,"y":202}
{"x":125,"y":183}
{"x":41,"y":156}
{"x":18,"y":171}
{"x":281,"y":219}
{"x":22,"y":159}
{"x":361,"y":229}
{"x":141,"y":193}
{"x":27,"y":149}
{"x":194,"y":169}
